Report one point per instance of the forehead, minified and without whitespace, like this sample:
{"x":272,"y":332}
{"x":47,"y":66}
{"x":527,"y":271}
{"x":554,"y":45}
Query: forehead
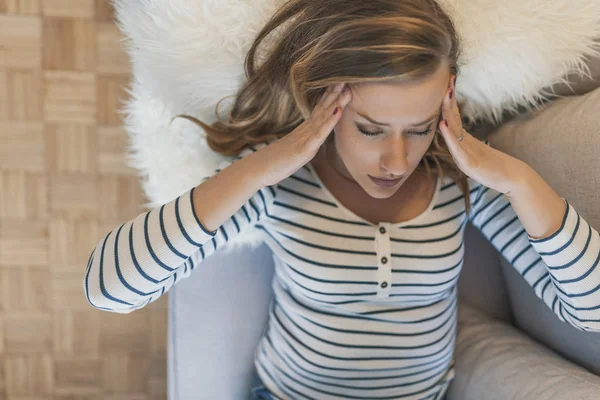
{"x":401,"y":102}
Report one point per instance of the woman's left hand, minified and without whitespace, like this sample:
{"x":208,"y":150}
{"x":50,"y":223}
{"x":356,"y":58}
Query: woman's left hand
{"x":484,"y":164}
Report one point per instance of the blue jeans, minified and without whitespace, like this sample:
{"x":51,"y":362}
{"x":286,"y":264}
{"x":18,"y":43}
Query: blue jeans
{"x":258,"y":390}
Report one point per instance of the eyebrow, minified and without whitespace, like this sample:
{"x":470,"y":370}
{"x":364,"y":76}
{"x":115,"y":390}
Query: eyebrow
{"x":429,"y":119}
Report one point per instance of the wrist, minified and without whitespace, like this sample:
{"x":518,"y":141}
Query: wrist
{"x":252,"y":171}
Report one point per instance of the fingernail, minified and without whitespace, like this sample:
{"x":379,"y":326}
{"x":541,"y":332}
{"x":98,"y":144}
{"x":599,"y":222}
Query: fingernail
{"x":446,"y":122}
{"x":451,"y":92}
{"x":336,"y":110}
{"x":339,"y":86}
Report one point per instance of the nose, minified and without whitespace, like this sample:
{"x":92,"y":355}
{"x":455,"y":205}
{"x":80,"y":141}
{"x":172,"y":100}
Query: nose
{"x":394,"y":159}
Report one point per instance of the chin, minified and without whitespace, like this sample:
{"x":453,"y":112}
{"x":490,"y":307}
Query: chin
{"x":377,"y":192}
{"x":379,"y":196}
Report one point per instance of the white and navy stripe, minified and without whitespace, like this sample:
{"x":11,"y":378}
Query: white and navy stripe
{"x":361,"y":310}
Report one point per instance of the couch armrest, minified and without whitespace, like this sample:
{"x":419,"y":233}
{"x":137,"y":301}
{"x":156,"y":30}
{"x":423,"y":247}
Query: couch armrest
{"x":495,"y":361}
{"x":216,"y":318}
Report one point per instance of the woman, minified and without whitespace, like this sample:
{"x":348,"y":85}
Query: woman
{"x":354,"y":165}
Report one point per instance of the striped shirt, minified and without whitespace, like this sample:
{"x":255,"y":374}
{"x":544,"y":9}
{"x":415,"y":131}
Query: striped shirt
{"x":360,"y":310}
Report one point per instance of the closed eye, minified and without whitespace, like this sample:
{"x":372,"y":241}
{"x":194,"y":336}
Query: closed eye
{"x":371,"y":134}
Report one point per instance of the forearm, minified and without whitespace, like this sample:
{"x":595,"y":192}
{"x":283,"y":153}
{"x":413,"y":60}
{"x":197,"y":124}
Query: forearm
{"x":568,"y":246}
{"x":144,"y":257}
{"x":140,"y":260}
{"x":539,"y":208}
{"x":223,"y":194}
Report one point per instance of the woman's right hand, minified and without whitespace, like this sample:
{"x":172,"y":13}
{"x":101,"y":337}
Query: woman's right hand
{"x":285,"y":156}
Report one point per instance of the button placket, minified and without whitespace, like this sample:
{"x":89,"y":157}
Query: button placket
{"x":384,"y":264}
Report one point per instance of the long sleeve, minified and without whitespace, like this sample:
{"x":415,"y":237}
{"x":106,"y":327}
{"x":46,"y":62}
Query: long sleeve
{"x":562,"y":269}
{"x":139,"y":261}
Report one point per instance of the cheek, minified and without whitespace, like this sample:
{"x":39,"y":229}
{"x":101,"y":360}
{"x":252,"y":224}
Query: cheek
{"x":420,"y":150}
{"x":353,"y":151}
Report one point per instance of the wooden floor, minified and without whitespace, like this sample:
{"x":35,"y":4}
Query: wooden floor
{"x":64,"y":183}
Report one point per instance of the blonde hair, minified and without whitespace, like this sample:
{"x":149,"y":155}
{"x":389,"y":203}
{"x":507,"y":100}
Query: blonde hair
{"x":320,"y":43}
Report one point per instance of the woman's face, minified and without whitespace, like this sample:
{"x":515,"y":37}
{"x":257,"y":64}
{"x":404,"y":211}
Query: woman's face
{"x":411,"y":111}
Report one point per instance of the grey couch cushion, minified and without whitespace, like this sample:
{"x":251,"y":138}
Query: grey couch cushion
{"x":495,"y":361}
{"x":540,"y":322}
{"x":481,"y":283}
{"x":562,"y":143}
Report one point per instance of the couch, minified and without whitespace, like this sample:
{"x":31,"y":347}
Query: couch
{"x":509,"y":344}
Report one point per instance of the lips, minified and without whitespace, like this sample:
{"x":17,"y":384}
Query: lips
{"x":385,"y":182}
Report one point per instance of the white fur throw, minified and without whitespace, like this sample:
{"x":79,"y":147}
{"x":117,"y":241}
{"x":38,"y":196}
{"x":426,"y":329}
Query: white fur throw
{"x":188,"y":54}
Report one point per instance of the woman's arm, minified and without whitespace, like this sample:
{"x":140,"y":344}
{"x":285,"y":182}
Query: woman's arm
{"x":219,"y":197}
{"x":562,"y":268}
{"x":539,"y":208}
{"x":143,"y":258}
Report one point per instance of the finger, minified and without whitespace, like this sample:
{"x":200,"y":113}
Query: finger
{"x":457,"y":146}
{"x":327,"y":124}
{"x":323,"y":96}
{"x":451,"y":115}
{"x":317,"y":111}
{"x":336,"y":98}
{"x":450,"y":137}
{"x":331,"y":97}
{"x":455,"y":107}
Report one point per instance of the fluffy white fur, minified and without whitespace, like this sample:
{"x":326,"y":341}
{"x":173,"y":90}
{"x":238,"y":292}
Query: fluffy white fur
{"x":188,"y":54}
